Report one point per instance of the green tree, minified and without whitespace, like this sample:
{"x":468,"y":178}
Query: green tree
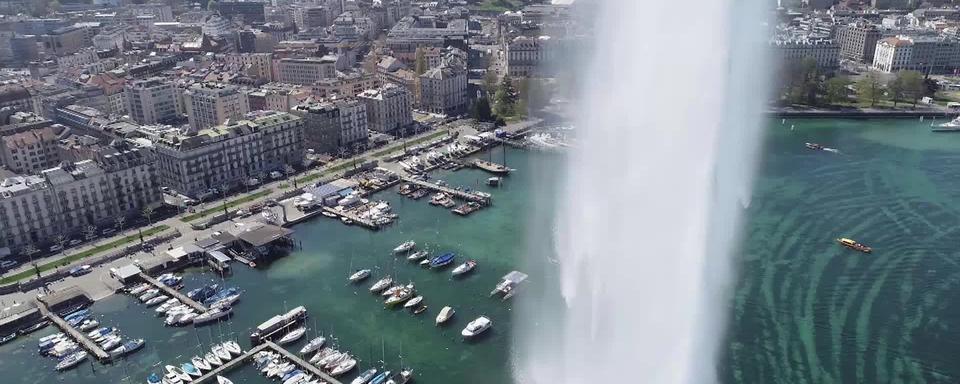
{"x":55,"y":5}
{"x":421,"y":64}
{"x":914,"y":86}
{"x":211,"y":5}
{"x":837,"y":89}
{"x":895,"y":89}
{"x":870,"y":88}
{"x":506,"y":98}
{"x":480,"y":110}
{"x":490,"y":81}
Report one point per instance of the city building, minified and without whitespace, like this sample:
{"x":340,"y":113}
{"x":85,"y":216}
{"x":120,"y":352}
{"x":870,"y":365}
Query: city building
{"x":112,"y":86}
{"x":210,"y":104}
{"x":443,"y":89}
{"x":276,"y":97}
{"x":225,"y":156}
{"x":150,"y":101}
{"x":344,"y":84}
{"x":927,"y":54}
{"x":353,"y":122}
{"x":526,"y":56}
{"x":74,"y":198}
{"x":307,"y":17}
{"x":858,"y":41}
{"x":825,"y":52}
{"x":19,"y":98}
{"x":109,"y":38}
{"x":66,"y":40}
{"x":258,"y":65}
{"x":391,"y":70}
{"x":80,"y":59}
{"x":305,"y":71}
{"x":321,"y":126}
{"x":413,"y":32}
{"x":247,"y":11}
{"x":389,"y":108}
{"x":32,"y":151}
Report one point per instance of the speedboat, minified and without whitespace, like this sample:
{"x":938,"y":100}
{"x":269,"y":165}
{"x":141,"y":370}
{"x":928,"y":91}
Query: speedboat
{"x":425,"y":263}
{"x":292,"y":336}
{"x":418,"y":255}
{"x":333,"y":356}
{"x":8,"y":338}
{"x":88,"y":324}
{"x":401,"y":378}
{"x":392,"y":290}
{"x":71,"y":360}
{"x":359,"y":275}
{"x":293,"y":377}
{"x":381,"y":378}
{"x":420,"y":310}
{"x":156,"y":300}
{"x":136,"y":291}
{"x":854,"y":245}
{"x":406,"y":246}
{"x":149,"y":294}
{"x":445,"y":314}
{"x":814,"y":146}
{"x":223,"y":380}
{"x":177,"y":373}
{"x":154,"y":378}
{"x":345,"y":366}
{"x":950,"y":126}
{"x":83,"y":313}
{"x":128,"y":347}
{"x":111,"y":342}
{"x":381,"y":284}
{"x":212,"y":359}
{"x":335,"y":362}
{"x":476,"y":327}
{"x":200,"y":363}
{"x":365,"y":376}
{"x":465,"y":267}
{"x":100,"y":332}
{"x":413,"y":302}
{"x":313,"y":345}
{"x":232,"y":347}
{"x":321,"y":354}
{"x":442,"y":260}
{"x":190,"y":369}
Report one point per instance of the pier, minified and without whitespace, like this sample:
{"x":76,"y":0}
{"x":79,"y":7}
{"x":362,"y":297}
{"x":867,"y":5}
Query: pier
{"x":316,"y":372}
{"x":512,"y":143}
{"x":174,"y":293}
{"x":356,"y":219}
{"x":81,"y":338}
{"x":447,"y":190}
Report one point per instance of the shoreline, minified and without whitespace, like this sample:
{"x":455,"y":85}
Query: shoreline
{"x":858,"y":114}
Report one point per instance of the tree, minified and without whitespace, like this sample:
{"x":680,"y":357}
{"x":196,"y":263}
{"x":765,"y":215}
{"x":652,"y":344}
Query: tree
{"x":148,"y":213}
{"x":914,"y":86}
{"x":89,"y":232}
{"x":506,"y":98}
{"x":837,"y":89}
{"x":870,"y":88}
{"x":490,"y":81}
{"x":60,"y":240}
{"x":895,"y":89}
{"x":421,"y":64}
{"x":120,"y":220}
{"x":55,"y":5}
{"x":480,"y":110}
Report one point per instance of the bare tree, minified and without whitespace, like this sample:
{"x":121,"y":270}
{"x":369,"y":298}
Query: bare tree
{"x":148,"y":213}
{"x":89,"y":232}
{"x":60,"y":240}
{"x":30,"y":250}
{"x":120,"y":220}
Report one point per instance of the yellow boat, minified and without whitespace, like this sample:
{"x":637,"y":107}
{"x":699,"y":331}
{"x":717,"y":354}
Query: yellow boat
{"x":854,"y":245}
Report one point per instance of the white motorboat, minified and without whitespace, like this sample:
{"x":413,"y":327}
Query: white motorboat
{"x":186,"y":319}
{"x":200,"y":363}
{"x":476,"y":327}
{"x":156,"y":300}
{"x":71,"y":360}
{"x":345,"y":366}
{"x":223,"y":380}
{"x":149,"y":294}
{"x":178,"y":373}
{"x":313,"y":345}
{"x":425,"y":263}
{"x":445,"y":314}
{"x":406,"y":246}
{"x":136,"y":291}
{"x":88,"y":324}
{"x":226,"y":301}
{"x":950,"y":126}
{"x":381,"y":284}
{"x":292,"y":336}
{"x":413,"y":302}
{"x":335,"y":362}
{"x":111,"y":342}
{"x":321,"y":354}
{"x":359,"y":275}
{"x":418,"y":255}
{"x":233,"y":347}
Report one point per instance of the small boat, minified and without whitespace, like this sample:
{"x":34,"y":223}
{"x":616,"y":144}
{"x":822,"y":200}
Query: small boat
{"x":345,"y":366}
{"x":293,"y":377}
{"x":329,"y":214}
{"x":154,"y":378}
{"x":404,"y":376}
{"x":212,"y":359}
{"x":493,"y":181}
{"x":136,"y":291}
{"x":381,"y":378}
{"x":950,"y":126}
{"x":359,"y":275}
{"x":476,"y":327}
{"x":222,"y":353}
{"x":814,"y":146}
{"x":223,"y":380}
{"x":335,"y":362}
{"x":128,"y":347}
{"x":400,"y":296}
{"x":226,"y":301}
{"x":392,"y":291}
{"x":177,"y":373}
{"x":35,"y":327}
{"x":212,"y":315}
{"x":420,"y":310}
{"x":156,"y":300}
{"x":381,"y":284}
{"x":405,"y":247}
{"x":71,"y":360}
{"x":854,"y":245}
{"x":413,"y":302}
{"x":425,"y":263}
{"x":418,"y":255}
{"x":321,"y":354}
{"x":465,"y":267}
{"x":445,"y":314}
{"x":88,"y":324}
{"x":232,"y":347}
{"x":190,"y":369}
{"x":83,"y":313}
{"x":292,"y":336}
{"x":111,"y":342}
{"x":442,"y":260}
{"x":8,"y":338}
{"x":346,"y":220}
{"x":333,"y":356}
{"x":313,"y":345}
{"x":200,"y":363}
{"x":365,"y":376}
{"x":100,"y":332}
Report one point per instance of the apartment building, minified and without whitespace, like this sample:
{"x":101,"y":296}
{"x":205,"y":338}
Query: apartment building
{"x":305,"y":71}
{"x":344,"y":84}
{"x":150,"y":101}
{"x":389,"y":108}
{"x":210,"y":104}
{"x":32,"y":151}
{"x":858,"y":41}
{"x":256,"y":65}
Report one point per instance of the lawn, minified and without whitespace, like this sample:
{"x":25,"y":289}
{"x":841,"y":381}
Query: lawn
{"x":219,"y":207}
{"x":409,"y":143}
{"x":85,"y":254}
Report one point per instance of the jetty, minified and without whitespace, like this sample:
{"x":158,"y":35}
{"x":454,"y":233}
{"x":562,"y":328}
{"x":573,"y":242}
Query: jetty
{"x":512,"y":143}
{"x":81,"y":338}
{"x":174,"y":293}
{"x":246,"y":356}
{"x":317,"y":372}
{"x":366,"y":223}
{"x":449,"y":191}
{"x":212,"y":375}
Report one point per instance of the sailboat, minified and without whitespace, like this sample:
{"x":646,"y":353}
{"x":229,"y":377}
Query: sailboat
{"x":359,"y":275}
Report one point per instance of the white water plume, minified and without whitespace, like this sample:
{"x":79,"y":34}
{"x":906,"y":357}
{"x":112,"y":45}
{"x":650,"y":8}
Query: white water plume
{"x":669,"y":126}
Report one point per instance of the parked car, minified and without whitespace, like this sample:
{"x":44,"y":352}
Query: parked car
{"x":109,"y":231}
{"x":81,"y":270}
{"x":276,"y":175}
{"x":253,"y":181}
{"x":7,"y":264}
{"x":56,"y":248}
{"x":165,"y":189}
{"x":74,"y":242}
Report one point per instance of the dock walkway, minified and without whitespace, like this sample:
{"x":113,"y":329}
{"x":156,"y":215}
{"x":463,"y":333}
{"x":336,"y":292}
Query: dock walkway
{"x":450,"y":191}
{"x":174,"y":293}
{"x":512,"y":143}
{"x":81,"y":338}
{"x":316,"y":372}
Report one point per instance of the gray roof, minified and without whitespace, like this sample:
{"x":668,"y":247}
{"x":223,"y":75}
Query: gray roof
{"x":263,"y":234}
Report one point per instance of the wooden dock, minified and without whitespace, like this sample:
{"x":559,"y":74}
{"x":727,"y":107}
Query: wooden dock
{"x":450,"y":191}
{"x":174,"y":293}
{"x":80,"y":337}
{"x":316,"y":372}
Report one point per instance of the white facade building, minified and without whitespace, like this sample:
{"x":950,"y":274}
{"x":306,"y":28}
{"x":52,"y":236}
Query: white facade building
{"x":389,"y":108}
{"x":210,"y":104}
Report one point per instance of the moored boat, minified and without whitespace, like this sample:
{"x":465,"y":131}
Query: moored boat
{"x":413,"y":302}
{"x":345,"y":366}
{"x":8,"y":338}
{"x":420,"y":309}
{"x":445,"y":314}
{"x":418,"y":255}
{"x":71,"y":360}
{"x":223,"y":380}
{"x":212,"y":358}
{"x":156,"y":300}
{"x":190,"y":369}
{"x":35,"y":327}
{"x":365,"y":376}
{"x":128,"y":347}
{"x":465,"y":267}
{"x":359,"y":275}
{"x":212,"y":315}
{"x":292,"y":336}
{"x":381,"y":284}
{"x":200,"y":363}
{"x":442,"y":260}
{"x":381,"y":378}
{"x":405,"y":247}
{"x":403,"y":294}
{"x":87,"y":325}
{"x":313,"y":345}
{"x":476,"y":327}
{"x":232,"y":347}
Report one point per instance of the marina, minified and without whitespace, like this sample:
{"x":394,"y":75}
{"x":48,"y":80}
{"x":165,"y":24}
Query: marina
{"x":89,"y":345}
{"x":171,"y":292}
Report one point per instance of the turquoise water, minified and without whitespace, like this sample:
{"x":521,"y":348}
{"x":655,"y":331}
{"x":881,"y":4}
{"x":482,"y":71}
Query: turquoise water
{"x":804,"y":310}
